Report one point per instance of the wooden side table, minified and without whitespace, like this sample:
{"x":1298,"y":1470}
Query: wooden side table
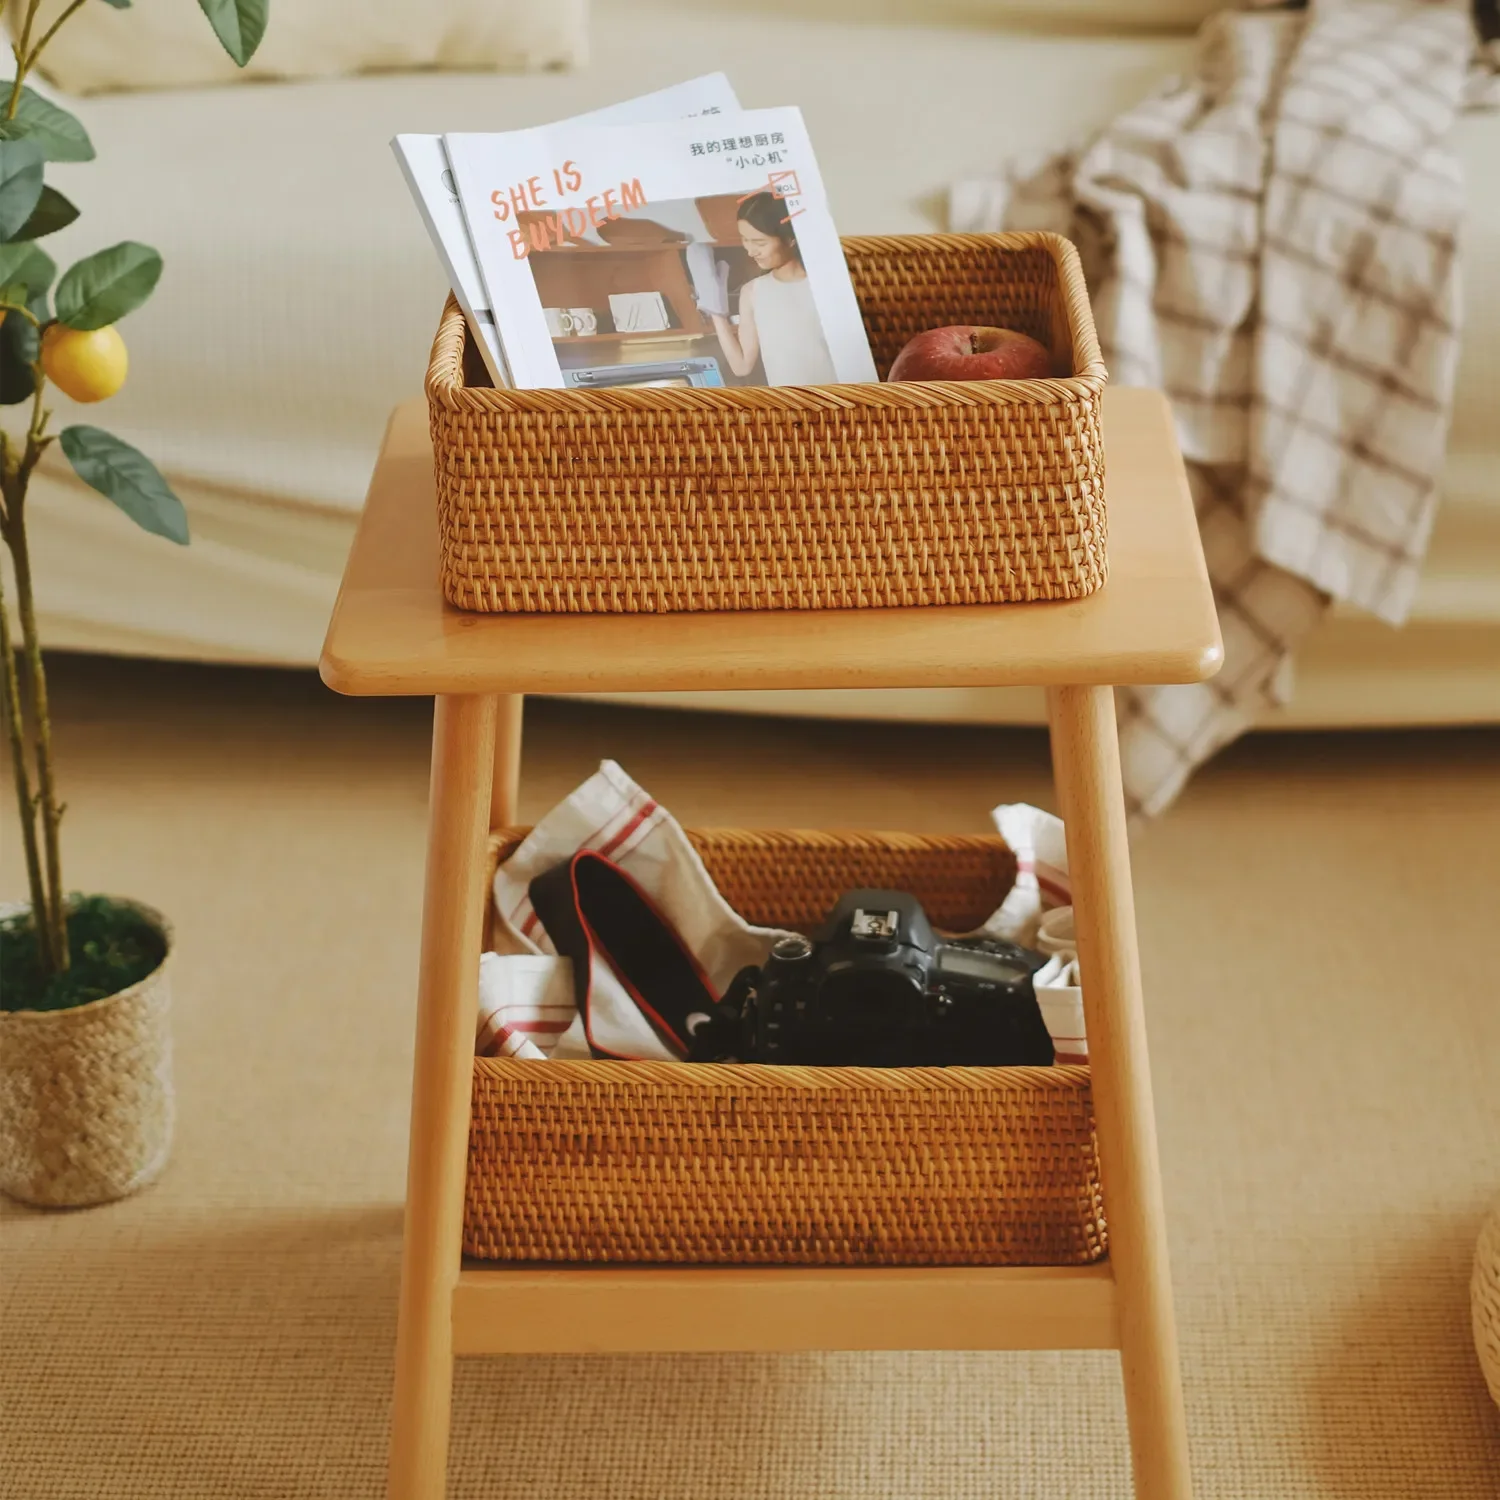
{"x":1154,"y":622}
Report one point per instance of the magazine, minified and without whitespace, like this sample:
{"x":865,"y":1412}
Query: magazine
{"x":425,"y":166}
{"x":695,"y":252}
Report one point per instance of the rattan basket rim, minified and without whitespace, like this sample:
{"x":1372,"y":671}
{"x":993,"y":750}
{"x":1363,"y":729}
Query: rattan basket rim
{"x":814,"y":838}
{"x":93,"y":1008}
{"x":446,"y":387}
{"x":738,"y":1077}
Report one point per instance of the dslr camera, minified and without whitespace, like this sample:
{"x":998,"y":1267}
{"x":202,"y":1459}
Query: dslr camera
{"x":878,"y":988}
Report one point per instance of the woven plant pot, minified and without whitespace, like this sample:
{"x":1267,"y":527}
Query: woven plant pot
{"x":86,"y":1102}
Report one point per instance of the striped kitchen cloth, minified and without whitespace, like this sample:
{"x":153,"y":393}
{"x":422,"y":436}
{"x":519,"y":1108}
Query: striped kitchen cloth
{"x":534,"y":1004}
{"x":526,"y":998}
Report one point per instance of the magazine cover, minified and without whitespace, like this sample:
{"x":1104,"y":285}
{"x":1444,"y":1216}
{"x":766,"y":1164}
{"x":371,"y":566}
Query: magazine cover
{"x":425,"y":166}
{"x":683,"y":253}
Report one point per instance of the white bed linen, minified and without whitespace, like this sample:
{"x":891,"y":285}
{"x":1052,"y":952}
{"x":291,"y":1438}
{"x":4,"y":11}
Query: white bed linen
{"x":301,"y":295}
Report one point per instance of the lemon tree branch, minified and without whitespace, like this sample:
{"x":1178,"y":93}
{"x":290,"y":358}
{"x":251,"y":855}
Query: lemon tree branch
{"x":36,"y":431}
{"x":10,"y":702}
{"x":51,"y":32}
{"x":25,"y":312}
{"x":21,"y":48}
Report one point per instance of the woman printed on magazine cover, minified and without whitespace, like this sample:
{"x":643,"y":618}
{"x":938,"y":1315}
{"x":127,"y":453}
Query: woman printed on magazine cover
{"x":779,"y":324}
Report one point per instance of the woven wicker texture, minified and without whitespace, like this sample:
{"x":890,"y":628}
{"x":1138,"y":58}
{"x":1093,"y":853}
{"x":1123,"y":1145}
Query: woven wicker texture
{"x":1484,"y":1293}
{"x":86,"y":1101}
{"x":792,"y":878}
{"x":596,"y":1161}
{"x":824,"y":497}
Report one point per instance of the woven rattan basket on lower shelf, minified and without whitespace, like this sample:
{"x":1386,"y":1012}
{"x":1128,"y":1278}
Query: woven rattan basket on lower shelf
{"x":825,"y":497}
{"x":671,"y":1162}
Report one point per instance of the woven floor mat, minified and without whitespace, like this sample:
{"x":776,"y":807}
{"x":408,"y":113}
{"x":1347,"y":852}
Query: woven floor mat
{"x":1330,"y":1127}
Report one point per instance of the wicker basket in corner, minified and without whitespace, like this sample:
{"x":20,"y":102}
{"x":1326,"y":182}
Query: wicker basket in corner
{"x":670,"y":1162}
{"x":827,"y":497}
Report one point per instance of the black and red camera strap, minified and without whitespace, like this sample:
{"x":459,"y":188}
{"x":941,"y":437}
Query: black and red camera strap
{"x":595,"y":914}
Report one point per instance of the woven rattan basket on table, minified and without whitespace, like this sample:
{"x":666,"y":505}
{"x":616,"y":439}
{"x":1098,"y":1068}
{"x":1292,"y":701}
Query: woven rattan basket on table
{"x":824,"y":497}
{"x":605,"y":1161}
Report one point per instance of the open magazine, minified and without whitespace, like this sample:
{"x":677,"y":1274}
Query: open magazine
{"x":672,"y":239}
{"x":425,"y":165}
{"x":696,"y":252}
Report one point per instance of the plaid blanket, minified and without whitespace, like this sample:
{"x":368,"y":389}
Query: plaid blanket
{"x":1273,"y":242}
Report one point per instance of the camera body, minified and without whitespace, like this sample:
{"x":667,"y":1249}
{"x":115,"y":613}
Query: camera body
{"x":878,"y":988}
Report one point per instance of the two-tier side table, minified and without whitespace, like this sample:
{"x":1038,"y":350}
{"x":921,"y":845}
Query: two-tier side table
{"x":1153,"y":622}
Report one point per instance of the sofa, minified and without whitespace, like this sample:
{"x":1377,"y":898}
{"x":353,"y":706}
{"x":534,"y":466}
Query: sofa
{"x":301,"y":295}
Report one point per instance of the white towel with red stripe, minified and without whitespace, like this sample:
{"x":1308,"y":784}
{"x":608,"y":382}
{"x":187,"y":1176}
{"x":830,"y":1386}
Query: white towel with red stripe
{"x":526,"y":1003}
{"x":534,"y":1005}
{"x":1038,"y":913}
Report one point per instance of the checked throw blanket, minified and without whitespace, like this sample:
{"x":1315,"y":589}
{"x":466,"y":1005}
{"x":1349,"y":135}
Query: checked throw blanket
{"x":1273,"y":242}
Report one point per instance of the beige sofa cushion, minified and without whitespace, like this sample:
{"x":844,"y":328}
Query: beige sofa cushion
{"x":1057,"y":16}
{"x":169,"y":43}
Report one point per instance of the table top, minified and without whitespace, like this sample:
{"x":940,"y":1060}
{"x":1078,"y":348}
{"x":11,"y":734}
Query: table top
{"x":392,"y":633}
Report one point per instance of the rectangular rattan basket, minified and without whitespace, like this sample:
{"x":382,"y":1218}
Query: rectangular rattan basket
{"x":687,"y":1163}
{"x":793,"y":497}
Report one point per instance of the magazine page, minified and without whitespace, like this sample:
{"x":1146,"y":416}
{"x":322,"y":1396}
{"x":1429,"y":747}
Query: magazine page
{"x":425,"y":166}
{"x":682,"y":253}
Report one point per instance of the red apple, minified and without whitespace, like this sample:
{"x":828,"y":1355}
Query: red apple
{"x":972,"y":353}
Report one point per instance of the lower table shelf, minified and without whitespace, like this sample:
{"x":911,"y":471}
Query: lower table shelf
{"x":604,"y":1309}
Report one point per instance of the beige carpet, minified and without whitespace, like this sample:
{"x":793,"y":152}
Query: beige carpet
{"x":1320,"y":936}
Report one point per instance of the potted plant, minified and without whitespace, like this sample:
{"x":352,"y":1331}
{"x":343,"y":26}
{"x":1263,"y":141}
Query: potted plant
{"x":85,"y":1047}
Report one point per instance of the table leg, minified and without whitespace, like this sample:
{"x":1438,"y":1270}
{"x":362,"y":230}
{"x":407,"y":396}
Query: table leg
{"x":463,"y":760}
{"x":1086,"y":763}
{"x":504,"y":796}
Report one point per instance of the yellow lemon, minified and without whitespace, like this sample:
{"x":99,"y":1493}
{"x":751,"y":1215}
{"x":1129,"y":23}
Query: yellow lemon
{"x":86,"y":366}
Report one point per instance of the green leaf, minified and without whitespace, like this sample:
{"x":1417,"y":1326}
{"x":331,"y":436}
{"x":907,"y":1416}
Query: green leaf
{"x":60,"y":136}
{"x":33,"y":267}
{"x":239,"y":24}
{"x":119,"y":4}
{"x":126,"y":476}
{"x":20,"y":184}
{"x":52,"y":212}
{"x":102,"y":288}
{"x":28,"y":266}
{"x":19,"y":343}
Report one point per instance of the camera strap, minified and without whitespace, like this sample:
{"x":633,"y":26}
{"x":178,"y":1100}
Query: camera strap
{"x":614,"y":934}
